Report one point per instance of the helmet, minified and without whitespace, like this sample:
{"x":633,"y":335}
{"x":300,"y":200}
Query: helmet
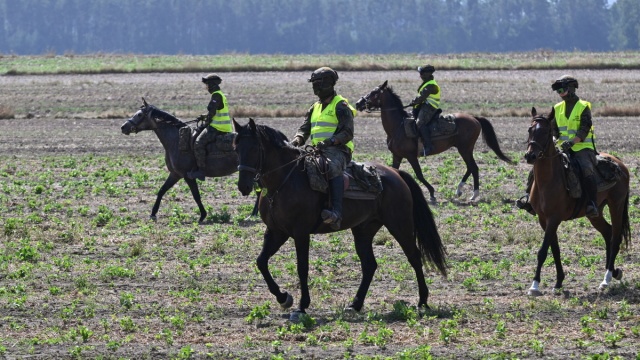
{"x":427,"y":68}
{"x":323,"y":73}
{"x":212,"y":78}
{"x":565,"y":81}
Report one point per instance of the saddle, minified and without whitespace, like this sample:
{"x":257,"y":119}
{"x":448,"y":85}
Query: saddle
{"x":361,"y":181}
{"x":219,"y":146}
{"x":442,"y":127}
{"x":607,"y":174}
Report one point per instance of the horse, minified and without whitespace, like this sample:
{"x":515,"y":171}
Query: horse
{"x":553,"y":204}
{"x":291,"y":208}
{"x":178,"y":163}
{"x":393,"y":115}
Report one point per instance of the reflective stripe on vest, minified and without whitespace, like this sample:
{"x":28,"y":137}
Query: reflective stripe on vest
{"x":432,"y":99}
{"x":221,"y":121}
{"x":324,"y":122}
{"x":569,"y":127}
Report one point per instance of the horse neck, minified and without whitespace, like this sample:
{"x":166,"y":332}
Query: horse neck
{"x":548,"y":170}
{"x":277,"y":167}
{"x":391,"y":115}
{"x":168,"y":136}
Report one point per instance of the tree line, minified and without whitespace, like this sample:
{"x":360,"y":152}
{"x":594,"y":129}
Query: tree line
{"x":316,"y":26}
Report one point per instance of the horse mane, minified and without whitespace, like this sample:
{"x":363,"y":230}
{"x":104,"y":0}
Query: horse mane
{"x":166,"y":117}
{"x":396,"y":102}
{"x":273,"y":136}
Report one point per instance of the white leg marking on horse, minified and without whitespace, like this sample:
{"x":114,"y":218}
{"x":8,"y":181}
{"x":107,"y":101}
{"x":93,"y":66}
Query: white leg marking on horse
{"x":607,"y":279}
{"x":476,"y":195}
{"x":534,"y":290}
{"x":459,"y":190}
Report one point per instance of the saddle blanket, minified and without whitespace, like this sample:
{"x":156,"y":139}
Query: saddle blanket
{"x":362,"y":181}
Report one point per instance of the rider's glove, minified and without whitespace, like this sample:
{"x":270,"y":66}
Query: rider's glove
{"x":324,"y":143}
{"x":566,"y":145}
{"x":202,"y":118}
{"x":297,"y":141}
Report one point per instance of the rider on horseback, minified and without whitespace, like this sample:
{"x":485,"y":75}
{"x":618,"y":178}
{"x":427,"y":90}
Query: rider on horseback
{"x":329,"y":123}
{"x":572,"y":126}
{"x":217,"y":121}
{"x":426,"y":105}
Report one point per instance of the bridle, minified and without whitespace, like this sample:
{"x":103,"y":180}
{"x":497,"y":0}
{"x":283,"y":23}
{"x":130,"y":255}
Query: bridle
{"x":368,"y":106}
{"x":257,"y":170}
{"x":543,"y":148}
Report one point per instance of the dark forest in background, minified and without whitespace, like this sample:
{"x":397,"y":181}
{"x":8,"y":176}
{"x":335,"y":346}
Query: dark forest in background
{"x":316,"y":26}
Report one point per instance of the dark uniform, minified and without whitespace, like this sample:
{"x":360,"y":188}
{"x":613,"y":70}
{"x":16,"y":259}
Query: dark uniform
{"x":217,"y":121}
{"x":572,"y":125}
{"x":329,"y":124}
{"x":426,"y":105}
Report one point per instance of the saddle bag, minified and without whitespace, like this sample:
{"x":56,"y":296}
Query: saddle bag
{"x":185,"y":136}
{"x":410,"y":128}
{"x":608,"y":170}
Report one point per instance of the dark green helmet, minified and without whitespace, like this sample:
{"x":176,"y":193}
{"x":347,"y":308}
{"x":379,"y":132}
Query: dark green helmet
{"x":212,"y":78}
{"x":426,"y":69}
{"x":565,"y":82}
{"x":323,"y":73}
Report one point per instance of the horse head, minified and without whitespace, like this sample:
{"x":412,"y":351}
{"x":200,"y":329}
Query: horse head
{"x":372,"y":101}
{"x":140,"y":120}
{"x":540,"y":141}
{"x":248,"y":147}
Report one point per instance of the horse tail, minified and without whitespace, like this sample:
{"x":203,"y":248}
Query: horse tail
{"x":429,"y":241}
{"x":626,"y":228}
{"x":491,"y":139}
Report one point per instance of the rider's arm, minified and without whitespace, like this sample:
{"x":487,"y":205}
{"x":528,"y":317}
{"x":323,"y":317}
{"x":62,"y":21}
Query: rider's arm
{"x":424,"y":94}
{"x":305,"y":129}
{"x":585,"y":125}
{"x":344,"y":130}
{"x":214,"y":105}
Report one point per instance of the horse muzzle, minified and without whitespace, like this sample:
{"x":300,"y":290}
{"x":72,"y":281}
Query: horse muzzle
{"x":531,"y":156}
{"x":127,"y":128}
{"x":361,"y":104}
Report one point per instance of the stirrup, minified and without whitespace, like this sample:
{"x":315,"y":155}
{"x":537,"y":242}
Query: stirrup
{"x":592,"y":211}
{"x":331,"y":218}
{"x":524,"y":204}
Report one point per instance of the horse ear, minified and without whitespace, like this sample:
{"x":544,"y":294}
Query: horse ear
{"x":144,"y":102}
{"x":384,"y":84}
{"x":533,"y":111}
{"x":236,"y":126}
{"x":252,"y":125}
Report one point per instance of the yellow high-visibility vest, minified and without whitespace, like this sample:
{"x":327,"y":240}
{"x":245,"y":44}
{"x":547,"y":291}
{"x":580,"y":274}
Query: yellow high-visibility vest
{"x":324,"y":122}
{"x":569,"y":126}
{"x":221,"y":121}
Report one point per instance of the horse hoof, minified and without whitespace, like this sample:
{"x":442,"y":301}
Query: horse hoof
{"x":153,"y":218}
{"x":534,"y":292}
{"x":288,"y":302}
{"x":603,"y":286}
{"x":617,"y":274}
{"x":475,"y":196}
{"x":296,"y":315}
{"x":558,"y":291}
{"x":433,"y":201}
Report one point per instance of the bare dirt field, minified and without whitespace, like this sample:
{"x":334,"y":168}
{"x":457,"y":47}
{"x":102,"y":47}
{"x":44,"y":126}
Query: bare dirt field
{"x":85,"y":274}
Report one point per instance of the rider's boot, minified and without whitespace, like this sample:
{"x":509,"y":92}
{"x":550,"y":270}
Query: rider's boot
{"x":425,"y":133}
{"x":198,"y":171}
{"x":523,"y":203}
{"x":333,"y":217}
{"x":591,"y":191}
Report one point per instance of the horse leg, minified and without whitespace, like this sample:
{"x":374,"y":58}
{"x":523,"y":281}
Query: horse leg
{"x":550,"y":240}
{"x":168,"y":184}
{"x":396,"y":161}
{"x":472,"y":169}
{"x":271,"y":244}
{"x":195,"y":192}
{"x":363,"y":240}
{"x":612,"y":241}
{"x":302,"y":255}
{"x":403,"y":233}
{"x":415,"y":165}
